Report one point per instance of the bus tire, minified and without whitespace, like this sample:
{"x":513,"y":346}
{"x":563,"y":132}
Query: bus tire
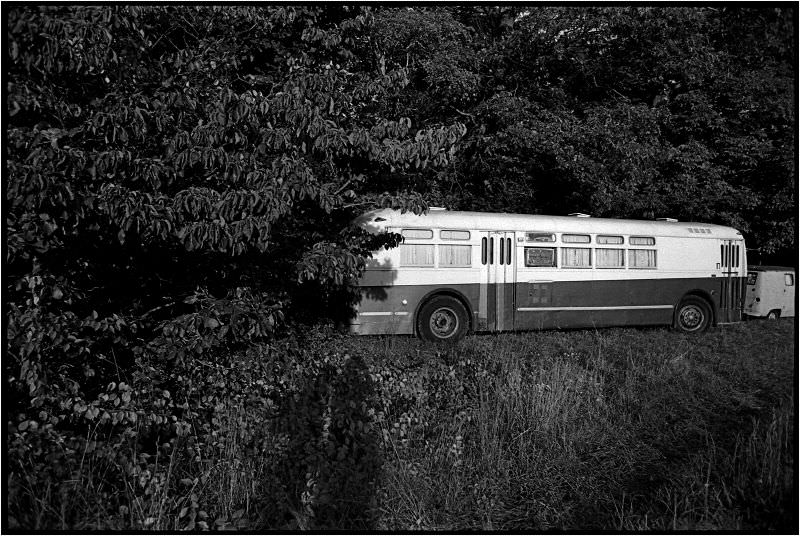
{"x":693,"y":315}
{"x":774,"y":314}
{"x":442,"y":319}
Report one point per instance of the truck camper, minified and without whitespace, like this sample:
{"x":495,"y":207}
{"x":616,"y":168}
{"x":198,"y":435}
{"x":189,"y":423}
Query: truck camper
{"x":770,"y":292}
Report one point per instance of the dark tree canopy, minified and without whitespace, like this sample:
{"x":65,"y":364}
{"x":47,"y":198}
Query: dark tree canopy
{"x":180,"y":181}
{"x":635,"y":112}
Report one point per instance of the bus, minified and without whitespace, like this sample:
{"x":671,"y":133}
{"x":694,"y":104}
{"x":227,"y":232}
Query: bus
{"x":465,"y":272}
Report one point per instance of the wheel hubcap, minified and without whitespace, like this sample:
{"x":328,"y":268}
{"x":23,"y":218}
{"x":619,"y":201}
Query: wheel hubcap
{"x":443,"y":322}
{"x":691,"y":317}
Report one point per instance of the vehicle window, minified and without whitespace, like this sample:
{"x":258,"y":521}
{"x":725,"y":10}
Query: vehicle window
{"x":455,"y":255}
{"x":576,"y":238}
{"x":607,"y":239}
{"x":610,"y":258}
{"x":540,"y":237}
{"x":540,"y":257}
{"x":789,"y":278}
{"x":576,"y":257}
{"x":642,"y":241}
{"x":641,"y":258}
{"x":416,"y":254}
{"x":417,"y":233}
{"x":454,"y":235}
{"x":751,"y":278}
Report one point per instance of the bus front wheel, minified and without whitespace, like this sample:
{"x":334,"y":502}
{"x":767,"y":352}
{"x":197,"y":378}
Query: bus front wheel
{"x":693,"y":315}
{"x":774,"y":314}
{"x":442,"y":319}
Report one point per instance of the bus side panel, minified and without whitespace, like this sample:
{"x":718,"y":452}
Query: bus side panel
{"x":565,"y":319}
{"x":555,"y":304}
{"x":382,"y":311}
{"x":620,"y":302}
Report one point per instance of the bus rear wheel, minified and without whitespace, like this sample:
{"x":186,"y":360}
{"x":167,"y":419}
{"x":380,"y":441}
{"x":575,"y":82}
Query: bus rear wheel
{"x":774,"y":314}
{"x":693,"y":315}
{"x":442,"y":319}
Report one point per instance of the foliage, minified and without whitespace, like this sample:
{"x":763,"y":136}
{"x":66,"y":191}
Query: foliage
{"x":181,"y":182}
{"x":176,"y":178}
{"x":635,"y":112}
{"x":615,"y":430}
{"x":164,"y":454}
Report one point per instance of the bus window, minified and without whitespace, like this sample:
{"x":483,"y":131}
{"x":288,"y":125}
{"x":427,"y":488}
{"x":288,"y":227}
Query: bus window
{"x":416,"y":254}
{"x":751,"y":278}
{"x":788,"y":279}
{"x":610,"y":258}
{"x":502,"y":251}
{"x":417,"y":233}
{"x":455,"y":255}
{"x":454,"y":235}
{"x":606,"y":239}
{"x":642,"y":241}
{"x":641,"y":258}
{"x":540,"y":257}
{"x":576,"y":238}
{"x":483,"y":250}
{"x":576,"y":257}
{"x":540,"y":237}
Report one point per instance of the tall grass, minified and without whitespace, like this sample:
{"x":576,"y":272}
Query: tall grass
{"x":610,"y":430}
{"x":621,"y":429}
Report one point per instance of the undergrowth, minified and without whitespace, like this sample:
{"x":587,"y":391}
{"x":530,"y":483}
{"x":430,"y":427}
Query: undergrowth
{"x":620,"y":429}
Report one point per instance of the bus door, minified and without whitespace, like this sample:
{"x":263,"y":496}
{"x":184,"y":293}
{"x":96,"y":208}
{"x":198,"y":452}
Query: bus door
{"x":731,"y":265}
{"x":498,"y":263}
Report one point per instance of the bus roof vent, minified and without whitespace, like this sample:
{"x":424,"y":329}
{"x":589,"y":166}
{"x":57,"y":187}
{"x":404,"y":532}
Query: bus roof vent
{"x":673,"y":220}
{"x":579,"y":215}
{"x":436,"y":208}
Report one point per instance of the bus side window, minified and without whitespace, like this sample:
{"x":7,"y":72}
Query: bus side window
{"x":789,"y":279}
{"x":641,"y":258}
{"x":540,"y":257}
{"x":455,"y":255}
{"x":483,"y":250}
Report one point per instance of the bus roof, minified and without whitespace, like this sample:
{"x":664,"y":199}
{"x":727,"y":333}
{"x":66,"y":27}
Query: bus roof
{"x":379,"y":220}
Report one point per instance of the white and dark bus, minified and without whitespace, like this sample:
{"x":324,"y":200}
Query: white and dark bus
{"x":459,"y":272}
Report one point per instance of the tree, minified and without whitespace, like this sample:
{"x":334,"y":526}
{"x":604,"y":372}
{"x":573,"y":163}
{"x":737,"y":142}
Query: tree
{"x":178,"y":176}
{"x":624,"y":112}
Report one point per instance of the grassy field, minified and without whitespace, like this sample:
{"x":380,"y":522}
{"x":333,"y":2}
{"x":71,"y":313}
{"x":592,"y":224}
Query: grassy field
{"x":619,"y":429}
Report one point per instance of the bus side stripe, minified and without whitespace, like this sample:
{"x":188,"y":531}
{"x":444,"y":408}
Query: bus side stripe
{"x":610,"y":308}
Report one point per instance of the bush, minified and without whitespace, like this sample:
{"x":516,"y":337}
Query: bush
{"x":247,"y":439}
{"x":160,"y":225}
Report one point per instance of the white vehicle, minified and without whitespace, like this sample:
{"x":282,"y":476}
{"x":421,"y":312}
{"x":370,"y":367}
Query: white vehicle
{"x":770,"y":292}
{"x":459,"y":272}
